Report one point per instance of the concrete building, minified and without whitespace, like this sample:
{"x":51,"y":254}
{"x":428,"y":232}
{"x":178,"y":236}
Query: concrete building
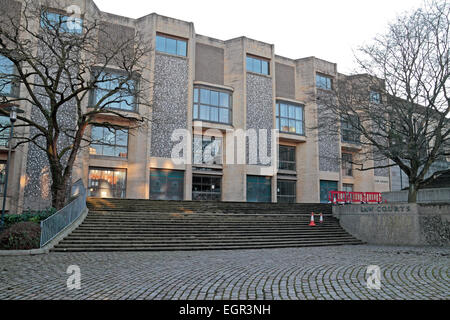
{"x":204,"y":83}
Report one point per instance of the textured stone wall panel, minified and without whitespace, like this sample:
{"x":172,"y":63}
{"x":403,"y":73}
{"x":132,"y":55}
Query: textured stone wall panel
{"x":170,"y":103}
{"x":328,"y":145}
{"x":260,"y":108}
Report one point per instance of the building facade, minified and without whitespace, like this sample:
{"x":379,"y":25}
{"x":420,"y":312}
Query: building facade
{"x":210,"y":87}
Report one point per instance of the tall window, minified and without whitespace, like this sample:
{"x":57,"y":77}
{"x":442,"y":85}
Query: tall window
{"x":287,"y":158}
{"x":206,"y":188}
{"x":257,"y":65}
{"x":109,"y":142}
{"x":287,"y":191}
{"x":375,"y":97}
{"x":324,"y":82}
{"x":349,"y":132}
{"x":347,"y":164}
{"x":7,"y":70}
{"x":290,"y":118}
{"x":62,"y":23}
{"x":123,"y":98}
{"x":107,"y":183}
{"x":2,"y":176}
{"x":212,"y":105}
{"x":4,"y":131}
{"x":171,"y":45}
{"x":207,"y":150}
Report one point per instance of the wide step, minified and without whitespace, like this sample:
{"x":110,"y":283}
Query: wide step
{"x":142,"y":225}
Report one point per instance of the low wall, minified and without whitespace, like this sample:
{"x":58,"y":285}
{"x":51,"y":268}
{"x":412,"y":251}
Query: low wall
{"x":397,"y":224}
{"x":424,"y":196}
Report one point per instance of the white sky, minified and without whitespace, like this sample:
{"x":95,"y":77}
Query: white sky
{"x":327,"y":29}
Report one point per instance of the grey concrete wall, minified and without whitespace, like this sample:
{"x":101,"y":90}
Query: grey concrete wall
{"x":209,"y":64}
{"x":285,"y":81}
{"x":170,"y":102}
{"x":424,"y":196}
{"x":397,"y":224}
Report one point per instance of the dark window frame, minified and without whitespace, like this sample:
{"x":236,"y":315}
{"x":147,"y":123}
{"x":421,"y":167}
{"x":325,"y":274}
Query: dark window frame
{"x":347,"y":164}
{"x":155,"y":172}
{"x":279,"y":117}
{"x":114,"y":146}
{"x":290,"y":198}
{"x":289,"y":165}
{"x":196,"y":111}
{"x":348,"y":132}
{"x":206,"y":181}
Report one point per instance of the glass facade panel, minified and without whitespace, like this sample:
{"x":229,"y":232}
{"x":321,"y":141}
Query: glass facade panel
{"x":107,"y":183}
{"x":166,"y":185}
{"x":325,"y":188}
{"x":348,"y":132}
{"x":109,"y":142}
{"x":375,"y":97}
{"x":6,"y":77}
{"x":287,"y":191}
{"x":347,"y":166}
{"x":123,"y":99}
{"x":212,"y":105}
{"x":257,"y":65}
{"x":206,"y":188}
{"x":290,"y":118}
{"x":207,"y":150}
{"x":324,"y":82}
{"x":2,"y":176}
{"x":259,"y":189}
{"x":54,"y":21}
{"x":171,"y":45}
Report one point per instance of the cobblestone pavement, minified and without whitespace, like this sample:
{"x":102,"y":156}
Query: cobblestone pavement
{"x":304,"y":273}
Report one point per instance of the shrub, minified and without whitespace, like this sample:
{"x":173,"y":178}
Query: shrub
{"x":21,"y":236}
{"x":28,"y":216}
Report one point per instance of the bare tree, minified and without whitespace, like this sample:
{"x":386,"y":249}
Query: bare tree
{"x":397,"y":108}
{"x":70,"y":71}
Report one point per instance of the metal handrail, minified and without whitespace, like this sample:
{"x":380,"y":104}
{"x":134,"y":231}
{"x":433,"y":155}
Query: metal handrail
{"x":57,"y":223}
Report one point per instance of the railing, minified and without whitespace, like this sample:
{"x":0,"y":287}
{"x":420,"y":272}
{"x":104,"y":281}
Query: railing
{"x":54,"y":225}
{"x":341,"y":197}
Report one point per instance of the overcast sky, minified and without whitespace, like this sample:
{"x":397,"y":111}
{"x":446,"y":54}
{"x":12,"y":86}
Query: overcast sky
{"x":327,"y":29}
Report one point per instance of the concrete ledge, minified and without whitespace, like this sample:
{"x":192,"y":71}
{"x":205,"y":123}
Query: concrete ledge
{"x":46,"y":249}
{"x":397,"y":224}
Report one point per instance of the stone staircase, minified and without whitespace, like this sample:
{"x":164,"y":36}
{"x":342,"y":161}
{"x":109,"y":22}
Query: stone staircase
{"x":142,"y":225}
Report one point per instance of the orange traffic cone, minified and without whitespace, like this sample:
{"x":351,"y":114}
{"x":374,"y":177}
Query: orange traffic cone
{"x":312,"y":224}
{"x":321,"y":218}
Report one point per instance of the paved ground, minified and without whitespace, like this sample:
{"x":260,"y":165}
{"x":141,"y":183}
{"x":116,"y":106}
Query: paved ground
{"x":306,"y":273}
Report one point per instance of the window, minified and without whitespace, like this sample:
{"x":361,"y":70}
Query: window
{"x":347,"y":187}
{"x":109,"y":142}
{"x":287,"y":158}
{"x":212,"y":105}
{"x":107,"y":183}
{"x":62,"y":23}
{"x":325,"y":188}
{"x":207,"y":150}
{"x":2,"y":176}
{"x":287,"y":191}
{"x":4,"y":131}
{"x":290,"y":118}
{"x":7,"y":71}
{"x":206,"y":188}
{"x":171,"y":45}
{"x":375,"y":97}
{"x":166,"y":185}
{"x":259,"y":189}
{"x":123,"y":98}
{"x":257,"y":65}
{"x":347,"y":164}
{"x":324,"y":82}
{"x":349,"y":133}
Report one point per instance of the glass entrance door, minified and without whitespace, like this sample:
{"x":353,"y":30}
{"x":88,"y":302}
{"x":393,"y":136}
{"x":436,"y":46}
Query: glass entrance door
{"x":259,"y":189}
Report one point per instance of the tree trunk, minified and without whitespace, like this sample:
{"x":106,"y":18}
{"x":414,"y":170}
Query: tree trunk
{"x":412,"y":195}
{"x":59,"y":187}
